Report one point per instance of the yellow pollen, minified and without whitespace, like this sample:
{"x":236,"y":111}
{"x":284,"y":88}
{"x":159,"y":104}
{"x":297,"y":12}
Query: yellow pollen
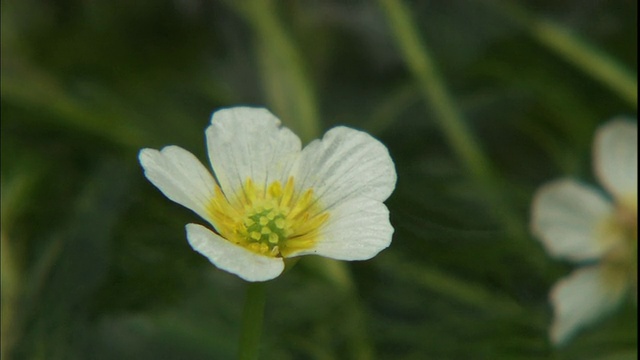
{"x":620,"y":263}
{"x":276,"y":221}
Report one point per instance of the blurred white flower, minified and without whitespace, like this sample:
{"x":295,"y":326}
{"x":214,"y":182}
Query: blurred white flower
{"x":581,"y":224}
{"x":272,"y":200}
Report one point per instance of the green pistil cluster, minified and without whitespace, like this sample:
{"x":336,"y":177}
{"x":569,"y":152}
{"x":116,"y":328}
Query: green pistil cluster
{"x":266,"y":227}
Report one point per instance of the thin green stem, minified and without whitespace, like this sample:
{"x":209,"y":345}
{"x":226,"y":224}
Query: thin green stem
{"x":433,"y":87}
{"x":290,"y":91}
{"x":448,"y":117}
{"x":288,"y":87}
{"x":15,"y":192}
{"x":25,"y":84}
{"x":338,"y":274}
{"x":252,"y":319}
{"x":389,"y":109}
{"x":589,"y":59}
{"x":458,"y":289}
{"x":575,"y":50}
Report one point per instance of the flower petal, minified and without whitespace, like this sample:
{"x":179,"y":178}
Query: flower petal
{"x":249,"y":142}
{"x":180,"y":176}
{"x":357,"y":229}
{"x":346,"y":163}
{"x":233,"y":258}
{"x":568,"y":218}
{"x":616,"y":158}
{"x":582,"y":298}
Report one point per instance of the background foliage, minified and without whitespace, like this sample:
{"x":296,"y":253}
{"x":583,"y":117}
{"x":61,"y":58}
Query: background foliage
{"x":95,"y":264}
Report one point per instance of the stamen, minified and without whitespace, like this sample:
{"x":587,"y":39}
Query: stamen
{"x":269,"y":222}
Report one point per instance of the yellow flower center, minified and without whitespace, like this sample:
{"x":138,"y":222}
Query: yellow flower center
{"x":622,"y":259}
{"x":275,"y":221}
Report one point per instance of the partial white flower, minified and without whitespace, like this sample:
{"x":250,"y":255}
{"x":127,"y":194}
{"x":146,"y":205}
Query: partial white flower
{"x":579,"y":223}
{"x":271,"y":199}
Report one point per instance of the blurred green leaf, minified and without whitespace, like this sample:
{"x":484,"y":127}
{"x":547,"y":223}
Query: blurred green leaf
{"x":98,"y":262}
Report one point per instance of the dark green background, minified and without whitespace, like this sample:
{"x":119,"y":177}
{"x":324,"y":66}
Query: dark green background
{"x":95,"y":263}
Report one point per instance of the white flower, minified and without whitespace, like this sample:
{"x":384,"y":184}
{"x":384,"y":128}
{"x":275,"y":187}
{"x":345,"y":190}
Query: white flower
{"x":272,"y":200}
{"x":579,"y":223}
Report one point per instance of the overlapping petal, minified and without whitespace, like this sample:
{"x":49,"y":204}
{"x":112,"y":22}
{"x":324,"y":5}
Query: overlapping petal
{"x":616,"y":158}
{"x":249,"y":142}
{"x":582,"y":298}
{"x":180,"y":176}
{"x":578,"y":222}
{"x":346,"y":163}
{"x":231,"y":257}
{"x":358,"y":229}
{"x":569,"y":217}
{"x":342,"y":179}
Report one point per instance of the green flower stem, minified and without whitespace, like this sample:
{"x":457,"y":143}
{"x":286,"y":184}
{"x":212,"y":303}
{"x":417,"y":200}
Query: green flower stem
{"x":288,"y":88}
{"x":290,"y":92}
{"x":575,"y":50}
{"x":252,"y":319}
{"x":447,"y":116}
{"x":338,"y":274}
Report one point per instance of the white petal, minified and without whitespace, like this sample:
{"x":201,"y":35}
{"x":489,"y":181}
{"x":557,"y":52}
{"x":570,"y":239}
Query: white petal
{"x":582,"y":298}
{"x":233,"y":258}
{"x":357,"y":229}
{"x":346,"y":163}
{"x":569,"y":219}
{"x":180,"y":176}
{"x":249,"y":142}
{"x":616,"y":158}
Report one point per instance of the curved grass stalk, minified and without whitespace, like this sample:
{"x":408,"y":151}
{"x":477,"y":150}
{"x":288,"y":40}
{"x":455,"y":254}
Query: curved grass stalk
{"x":287,"y":86}
{"x":448,"y":117}
{"x":574,"y":49}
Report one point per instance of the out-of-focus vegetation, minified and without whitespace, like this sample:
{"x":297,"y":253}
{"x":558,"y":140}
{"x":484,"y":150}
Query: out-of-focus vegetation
{"x":479,"y":103}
